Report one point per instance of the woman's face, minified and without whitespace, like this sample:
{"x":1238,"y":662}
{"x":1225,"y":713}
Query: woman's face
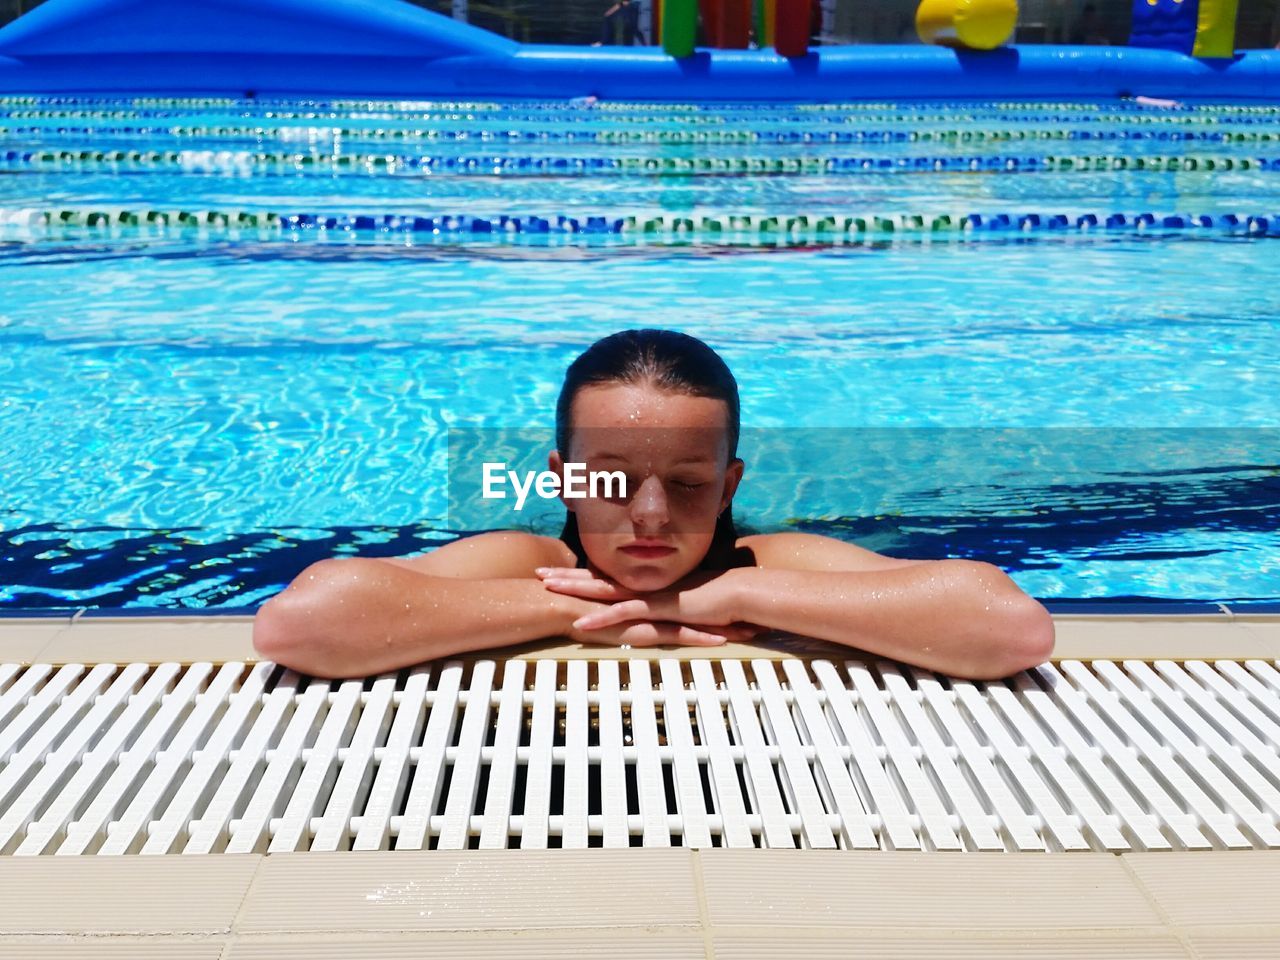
{"x":673,"y":450}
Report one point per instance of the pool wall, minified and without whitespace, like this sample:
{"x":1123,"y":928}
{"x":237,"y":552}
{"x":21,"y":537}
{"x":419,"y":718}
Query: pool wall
{"x":386,"y":48}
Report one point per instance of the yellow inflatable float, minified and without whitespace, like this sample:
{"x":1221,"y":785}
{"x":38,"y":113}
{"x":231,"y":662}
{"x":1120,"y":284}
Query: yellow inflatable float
{"x":967,"y":24}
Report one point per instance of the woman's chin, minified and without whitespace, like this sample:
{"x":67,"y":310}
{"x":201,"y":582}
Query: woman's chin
{"x":650,"y":579}
{"x":646,"y":581}
{"x":643,"y":584}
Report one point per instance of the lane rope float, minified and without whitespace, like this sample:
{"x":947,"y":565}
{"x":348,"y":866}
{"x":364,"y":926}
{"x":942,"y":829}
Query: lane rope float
{"x":820,"y":229}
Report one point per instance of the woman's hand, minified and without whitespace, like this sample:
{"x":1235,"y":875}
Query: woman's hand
{"x":643,"y":633}
{"x":700,"y":600}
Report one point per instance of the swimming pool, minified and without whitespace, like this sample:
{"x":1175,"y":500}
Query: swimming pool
{"x":238,"y":334}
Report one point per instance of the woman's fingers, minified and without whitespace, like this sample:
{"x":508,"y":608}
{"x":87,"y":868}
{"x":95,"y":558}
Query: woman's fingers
{"x":589,"y":589}
{"x":653,"y":633}
{"x":563,"y":573}
{"x":634,"y":609}
{"x":742,"y":632}
{"x":699,"y":638}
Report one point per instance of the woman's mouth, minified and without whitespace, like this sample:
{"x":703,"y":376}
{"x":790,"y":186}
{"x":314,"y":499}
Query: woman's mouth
{"x":645,"y":552}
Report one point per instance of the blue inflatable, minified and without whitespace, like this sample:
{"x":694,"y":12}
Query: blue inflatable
{"x":388,"y":48}
{"x":1165,"y":24}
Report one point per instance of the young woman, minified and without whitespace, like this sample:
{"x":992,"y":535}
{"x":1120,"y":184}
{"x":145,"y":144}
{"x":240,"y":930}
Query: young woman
{"x":661,"y":565}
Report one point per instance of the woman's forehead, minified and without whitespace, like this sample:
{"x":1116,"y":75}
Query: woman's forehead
{"x":672,"y":446}
{"x":621,"y":405}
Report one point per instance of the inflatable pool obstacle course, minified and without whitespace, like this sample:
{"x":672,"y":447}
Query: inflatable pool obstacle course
{"x":1198,"y":28}
{"x":967,"y":24}
{"x":389,"y":49}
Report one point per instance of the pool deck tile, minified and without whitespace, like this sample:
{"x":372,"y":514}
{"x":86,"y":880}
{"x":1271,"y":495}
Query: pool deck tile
{"x":1172,"y":638}
{"x":809,"y":889}
{"x":1219,"y":944}
{"x":130,"y":640}
{"x":628,"y":944}
{"x":1267,"y":630}
{"x":469,"y":890}
{"x":21,"y":641}
{"x":112,"y":948}
{"x":1024,"y":944}
{"x":123,"y":895}
{"x":1230,"y":888}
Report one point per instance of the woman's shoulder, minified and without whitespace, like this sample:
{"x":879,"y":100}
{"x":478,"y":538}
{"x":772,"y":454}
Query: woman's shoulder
{"x":495,"y":554}
{"x":812,"y":551}
{"x":759,"y":546}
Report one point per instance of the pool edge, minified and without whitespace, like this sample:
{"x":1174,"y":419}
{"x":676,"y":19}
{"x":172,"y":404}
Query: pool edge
{"x":222,"y":639}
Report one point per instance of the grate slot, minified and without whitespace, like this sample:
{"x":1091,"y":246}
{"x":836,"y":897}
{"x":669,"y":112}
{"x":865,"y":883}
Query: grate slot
{"x":649,"y":768}
{"x":172,"y":765}
{"x":318,"y":774}
{"x":1242,"y":703}
{"x":951,"y":782}
{"x":844,"y":791}
{"x":1147,"y":749}
{"x":38,"y":728}
{"x":281,"y":777}
{"x":726,"y":794}
{"x":56,"y":789}
{"x":900,"y":831}
{"x":502,"y":785}
{"x":922,"y":796}
{"x":768,"y":798}
{"x":1063,"y":784}
{"x":796,"y":774}
{"x":687,"y":797}
{"x":612,"y":769}
{"x":388,"y":791}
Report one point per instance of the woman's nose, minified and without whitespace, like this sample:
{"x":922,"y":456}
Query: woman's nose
{"x":649,"y":505}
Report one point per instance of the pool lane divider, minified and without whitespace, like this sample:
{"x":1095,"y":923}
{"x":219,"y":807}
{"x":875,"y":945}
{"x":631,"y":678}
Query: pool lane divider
{"x":664,"y":137}
{"x":559,"y":119}
{"x":145,"y":101}
{"x":856,"y":111}
{"x":725,"y":229}
{"x":257,"y":163}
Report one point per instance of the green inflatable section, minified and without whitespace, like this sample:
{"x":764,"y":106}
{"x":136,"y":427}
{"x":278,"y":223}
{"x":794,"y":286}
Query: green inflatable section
{"x":679,"y":26}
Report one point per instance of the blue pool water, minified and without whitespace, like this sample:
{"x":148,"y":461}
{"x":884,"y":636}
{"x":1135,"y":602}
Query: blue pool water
{"x":190,"y":415}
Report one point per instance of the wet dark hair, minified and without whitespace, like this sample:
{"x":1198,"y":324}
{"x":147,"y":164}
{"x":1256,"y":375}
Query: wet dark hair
{"x":670,"y":361}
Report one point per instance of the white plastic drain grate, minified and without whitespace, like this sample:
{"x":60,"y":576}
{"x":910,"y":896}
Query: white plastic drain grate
{"x":111,"y":759}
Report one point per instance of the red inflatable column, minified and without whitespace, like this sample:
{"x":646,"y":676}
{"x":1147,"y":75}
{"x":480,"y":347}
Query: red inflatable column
{"x":791,"y":27}
{"x":735,"y":24}
{"x":709,"y":11}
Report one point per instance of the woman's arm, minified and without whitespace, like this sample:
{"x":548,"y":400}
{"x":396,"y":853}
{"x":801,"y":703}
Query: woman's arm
{"x":959,"y":617}
{"x":361,"y":616}
{"x":357,"y":617}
